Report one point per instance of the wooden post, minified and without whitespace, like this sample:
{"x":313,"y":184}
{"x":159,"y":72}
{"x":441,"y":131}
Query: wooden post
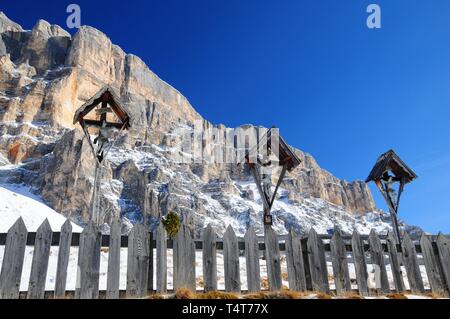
{"x":65,"y":240}
{"x":41,"y":254}
{"x":359,"y":259}
{"x":252,"y":260}
{"x":295,"y":266}
{"x":272,"y":259}
{"x":339,"y":261}
{"x":112,"y":285}
{"x":13,"y":257}
{"x":231,"y":261}
{"x":88,"y":263}
{"x":317,"y":263}
{"x":209,"y":259}
{"x":391,"y":242}
{"x":138,"y":259}
{"x":412,"y":266}
{"x":161,"y":259}
{"x":432,"y":266}
{"x":184,"y":260}
{"x":378,"y":261}
{"x":443,"y":247}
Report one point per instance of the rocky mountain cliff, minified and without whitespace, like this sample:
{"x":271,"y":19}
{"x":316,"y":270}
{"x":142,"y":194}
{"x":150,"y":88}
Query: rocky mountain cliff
{"x":45,"y":75}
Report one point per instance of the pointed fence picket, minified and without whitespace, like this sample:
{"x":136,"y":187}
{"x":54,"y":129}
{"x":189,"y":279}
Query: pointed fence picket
{"x":184,"y":260}
{"x":317,"y":263}
{"x":231,"y":261}
{"x":396,"y":270}
{"x":13,"y":260}
{"x":306,"y":260}
{"x":252,"y":260}
{"x":39,"y":266}
{"x":295,"y":264}
{"x":88,"y":269}
{"x":65,"y":241}
{"x":209,"y":259}
{"x":359,"y":259}
{"x":138,"y":261}
{"x":161,"y":259}
{"x":411,"y":265}
{"x":339,"y":261}
{"x":112,"y":284}
{"x":432,"y":266}
{"x":379,"y":263}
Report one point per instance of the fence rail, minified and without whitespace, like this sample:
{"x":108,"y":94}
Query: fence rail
{"x":307,"y":260}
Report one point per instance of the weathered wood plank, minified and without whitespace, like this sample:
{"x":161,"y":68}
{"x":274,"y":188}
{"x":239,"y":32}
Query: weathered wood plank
{"x":339,"y":262}
{"x":272,"y":258}
{"x":431,"y":265}
{"x":252,"y":260}
{"x":39,"y":265}
{"x":88,"y":263}
{"x":63,"y":259}
{"x":150,"y":263}
{"x":184,"y":260}
{"x":137,"y":263}
{"x":161,"y":259}
{"x":294,"y":259}
{"x":443,"y":247}
{"x":112,"y":284}
{"x":231,"y":261}
{"x":317,"y":263}
{"x":209,"y":259}
{"x":13,"y":260}
{"x":391,"y":242}
{"x":359,"y":260}
{"x":379,"y":264}
{"x":412,"y":265}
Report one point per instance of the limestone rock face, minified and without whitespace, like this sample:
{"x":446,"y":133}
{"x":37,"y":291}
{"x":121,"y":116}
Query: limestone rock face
{"x":7,"y":25}
{"x":45,"y":75}
{"x":46,"y":47}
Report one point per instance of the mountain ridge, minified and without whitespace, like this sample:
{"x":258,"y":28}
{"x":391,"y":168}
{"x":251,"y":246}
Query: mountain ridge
{"x":46,"y":74}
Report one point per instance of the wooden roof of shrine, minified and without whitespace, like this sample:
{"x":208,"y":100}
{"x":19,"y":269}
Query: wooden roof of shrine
{"x":106,"y":95}
{"x":286,"y":155}
{"x":390,"y":161}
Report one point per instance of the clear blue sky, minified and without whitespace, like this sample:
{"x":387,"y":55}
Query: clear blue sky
{"x":336,"y":89}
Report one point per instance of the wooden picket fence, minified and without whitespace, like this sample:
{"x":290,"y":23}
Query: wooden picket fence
{"x":306,"y":260}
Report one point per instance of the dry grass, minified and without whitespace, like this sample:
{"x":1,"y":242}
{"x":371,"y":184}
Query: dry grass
{"x":284,"y":275}
{"x":350,"y":295}
{"x":435,"y":295}
{"x":184,"y":293}
{"x":217,"y":295}
{"x":396,"y":296}
{"x":283,"y":294}
{"x":104,"y":249}
{"x":322,"y":295}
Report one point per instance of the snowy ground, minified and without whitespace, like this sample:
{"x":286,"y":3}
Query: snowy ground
{"x":18,"y":201}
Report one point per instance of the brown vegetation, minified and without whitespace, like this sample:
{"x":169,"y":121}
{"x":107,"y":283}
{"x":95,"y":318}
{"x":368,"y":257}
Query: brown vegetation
{"x":184,"y":293}
{"x":396,"y":296}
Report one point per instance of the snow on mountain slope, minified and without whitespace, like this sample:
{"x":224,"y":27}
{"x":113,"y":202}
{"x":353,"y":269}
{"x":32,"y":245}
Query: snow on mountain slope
{"x":18,"y":201}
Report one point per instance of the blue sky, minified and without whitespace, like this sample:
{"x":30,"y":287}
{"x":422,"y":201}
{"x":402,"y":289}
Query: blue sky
{"x":335,"y":88}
